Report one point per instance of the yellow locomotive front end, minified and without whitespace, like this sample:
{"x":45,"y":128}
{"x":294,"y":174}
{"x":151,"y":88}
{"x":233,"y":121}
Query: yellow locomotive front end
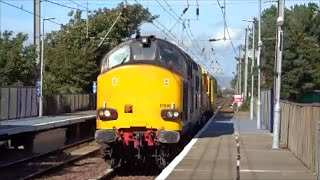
{"x":140,"y":101}
{"x":141,"y":96}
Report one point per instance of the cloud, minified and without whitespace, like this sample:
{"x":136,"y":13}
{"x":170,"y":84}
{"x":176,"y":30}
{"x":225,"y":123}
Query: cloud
{"x":216,"y":24}
{"x":235,"y":34}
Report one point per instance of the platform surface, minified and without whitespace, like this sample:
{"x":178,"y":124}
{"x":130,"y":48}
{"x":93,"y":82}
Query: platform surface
{"x":214,"y":155}
{"x":16,"y":126}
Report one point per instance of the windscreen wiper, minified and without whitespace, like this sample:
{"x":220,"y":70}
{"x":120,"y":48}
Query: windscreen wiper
{"x":124,"y":59}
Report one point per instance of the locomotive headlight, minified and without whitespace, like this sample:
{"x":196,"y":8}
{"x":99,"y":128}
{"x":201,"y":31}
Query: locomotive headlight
{"x":169,"y":114}
{"x":100,"y":113}
{"x":175,"y":113}
{"x":107,"y":113}
{"x":144,"y":40}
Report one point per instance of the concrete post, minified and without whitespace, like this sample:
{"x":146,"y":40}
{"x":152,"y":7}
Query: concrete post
{"x":277,"y":108}
{"x":246,"y":67}
{"x":252,"y":75}
{"x":258,"y":65}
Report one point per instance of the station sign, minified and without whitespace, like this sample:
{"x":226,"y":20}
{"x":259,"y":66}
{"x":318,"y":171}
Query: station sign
{"x":38,"y":88}
{"x":94,"y":87}
{"x":237,"y":98}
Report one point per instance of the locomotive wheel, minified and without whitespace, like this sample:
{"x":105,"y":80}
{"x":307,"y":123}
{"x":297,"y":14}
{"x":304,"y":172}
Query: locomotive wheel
{"x":111,"y":154}
{"x":104,"y":150}
{"x":114,"y":158}
{"x":162,"y":157}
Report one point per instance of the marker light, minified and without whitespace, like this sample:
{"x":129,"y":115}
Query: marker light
{"x":107,"y":114}
{"x":170,"y":114}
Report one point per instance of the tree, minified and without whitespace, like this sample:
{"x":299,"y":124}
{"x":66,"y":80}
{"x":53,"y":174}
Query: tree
{"x":72,"y":61}
{"x":300,"y":72}
{"x":17,"y":62}
{"x":268,"y":32}
{"x":233,"y":82}
{"x":300,"y":67}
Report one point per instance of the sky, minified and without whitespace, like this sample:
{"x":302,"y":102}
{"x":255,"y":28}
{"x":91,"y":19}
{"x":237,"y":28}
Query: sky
{"x":208,"y":25}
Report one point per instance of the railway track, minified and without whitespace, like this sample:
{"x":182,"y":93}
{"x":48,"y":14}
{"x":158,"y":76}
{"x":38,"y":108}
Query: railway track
{"x":95,"y":168}
{"x":225,"y":105}
{"x":36,"y":166}
{"x":108,"y":174}
{"x":123,"y":173}
{"x":30,"y":158}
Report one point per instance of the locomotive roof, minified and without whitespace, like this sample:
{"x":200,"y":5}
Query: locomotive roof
{"x":148,"y":49}
{"x":155,"y":39}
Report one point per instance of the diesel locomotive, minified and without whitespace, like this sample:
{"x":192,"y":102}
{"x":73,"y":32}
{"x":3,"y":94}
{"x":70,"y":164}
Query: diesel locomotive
{"x":150,"y":93}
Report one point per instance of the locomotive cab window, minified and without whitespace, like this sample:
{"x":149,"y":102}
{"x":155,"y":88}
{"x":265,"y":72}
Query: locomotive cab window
{"x":141,"y":52}
{"x":116,"y":57}
{"x":168,"y":55}
{"x":182,"y":60}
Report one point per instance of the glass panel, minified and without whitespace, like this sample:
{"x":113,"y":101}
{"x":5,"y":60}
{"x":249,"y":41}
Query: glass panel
{"x":182,"y":60}
{"x":117,"y":57}
{"x":168,"y":55}
{"x":143,"y":53}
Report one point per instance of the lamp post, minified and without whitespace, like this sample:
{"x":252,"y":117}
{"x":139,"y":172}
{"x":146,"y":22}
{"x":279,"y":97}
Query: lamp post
{"x":259,"y":73}
{"x":41,"y":69}
{"x":252,"y":65}
{"x":279,"y":46}
{"x":239,"y":76}
{"x":246,"y":65}
{"x":240,"y":71}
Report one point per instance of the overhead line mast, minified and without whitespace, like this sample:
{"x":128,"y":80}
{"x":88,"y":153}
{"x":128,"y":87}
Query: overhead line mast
{"x":224,"y":19}
{"x":36,"y":29}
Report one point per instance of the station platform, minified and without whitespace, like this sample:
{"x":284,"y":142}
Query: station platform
{"x":213,"y":154}
{"x":31,"y":124}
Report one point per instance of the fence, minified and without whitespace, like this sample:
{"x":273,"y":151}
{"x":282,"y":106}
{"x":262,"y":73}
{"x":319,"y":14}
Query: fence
{"x":267,"y":109}
{"x":64,"y":103}
{"x":22,"y":102}
{"x":18,"y":102}
{"x":299,"y":131}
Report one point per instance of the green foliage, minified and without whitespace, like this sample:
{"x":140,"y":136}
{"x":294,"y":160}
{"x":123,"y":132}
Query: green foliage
{"x":233,"y":82}
{"x":72,"y":60}
{"x":249,"y":77}
{"x":300,"y":66}
{"x":245,"y":105}
{"x":17,"y":62}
